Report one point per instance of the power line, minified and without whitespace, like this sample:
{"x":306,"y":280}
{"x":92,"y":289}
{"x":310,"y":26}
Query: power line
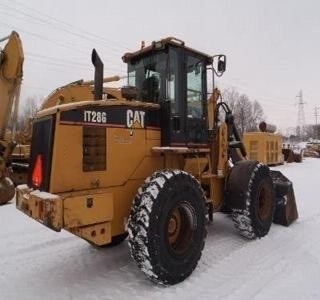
{"x":64,"y":62}
{"x":65,"y":45}
{"x":60,"y":25}
{"x":50,"y":58}
{"x":43,"y":38}
{"x":43,"y":21}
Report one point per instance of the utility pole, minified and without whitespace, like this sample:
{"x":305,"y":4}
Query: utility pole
{"x":316,"y":114}
{"x":301,"y":118}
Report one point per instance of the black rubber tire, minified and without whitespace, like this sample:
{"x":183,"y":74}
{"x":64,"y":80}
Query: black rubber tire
{"x":257,"y":199}
{"x":167,"y":226}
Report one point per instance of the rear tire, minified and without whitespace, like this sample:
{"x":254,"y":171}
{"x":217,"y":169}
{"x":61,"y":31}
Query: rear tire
{"x":253,"y":214}
{"x":167,"y":226}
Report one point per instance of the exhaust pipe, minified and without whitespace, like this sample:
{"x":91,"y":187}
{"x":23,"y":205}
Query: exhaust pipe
{"x":98,"y":75}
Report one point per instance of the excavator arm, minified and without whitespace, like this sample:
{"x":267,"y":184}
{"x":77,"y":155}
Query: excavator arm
{"x":11,"y":62}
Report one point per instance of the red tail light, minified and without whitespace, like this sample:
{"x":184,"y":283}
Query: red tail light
{"x":37,"y":172}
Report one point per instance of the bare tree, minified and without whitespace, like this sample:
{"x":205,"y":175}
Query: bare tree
{"x":256,"y":117}
{"x":26,"y":115}
{"x":247,"y":114}
{"x":28,"y":111}
{"x":231,"y":96}
{"x":243,"y":113}
{"x":316,"y":131}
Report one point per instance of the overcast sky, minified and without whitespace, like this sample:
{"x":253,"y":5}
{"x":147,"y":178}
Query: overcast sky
{"x":272,"y":47}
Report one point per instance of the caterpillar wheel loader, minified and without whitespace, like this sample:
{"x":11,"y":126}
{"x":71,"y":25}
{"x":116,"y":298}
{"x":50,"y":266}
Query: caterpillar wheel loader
{"x":152,"y":161}
{"x":11,"y":62}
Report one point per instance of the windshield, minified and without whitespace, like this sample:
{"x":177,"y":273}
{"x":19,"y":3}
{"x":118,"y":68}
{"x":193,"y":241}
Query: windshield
{"x":147,"y":75}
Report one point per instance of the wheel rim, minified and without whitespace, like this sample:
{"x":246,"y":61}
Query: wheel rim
{"x":265,"y":201}
{"x":181,"y":225}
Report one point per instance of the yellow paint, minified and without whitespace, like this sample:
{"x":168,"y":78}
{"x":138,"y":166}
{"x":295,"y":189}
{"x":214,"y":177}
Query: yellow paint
{"x":87,"y":210}
{"x":264,"y":147}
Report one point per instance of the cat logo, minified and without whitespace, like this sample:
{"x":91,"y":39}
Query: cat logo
{"x":135,"y":118}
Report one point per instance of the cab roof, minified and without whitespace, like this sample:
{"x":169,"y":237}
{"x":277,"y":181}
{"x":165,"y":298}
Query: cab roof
{"x":161,"y":45}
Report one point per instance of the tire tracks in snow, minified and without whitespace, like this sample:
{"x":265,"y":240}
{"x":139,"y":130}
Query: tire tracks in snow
{"x":234,"y":271}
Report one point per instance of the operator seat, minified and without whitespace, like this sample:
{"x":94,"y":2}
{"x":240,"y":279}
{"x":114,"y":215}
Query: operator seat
{"x":150,"y":89}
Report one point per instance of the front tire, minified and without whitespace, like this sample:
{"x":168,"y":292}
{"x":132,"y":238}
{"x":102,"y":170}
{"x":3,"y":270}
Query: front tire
{"x":253,"y":199}
{"x":167,"y":226}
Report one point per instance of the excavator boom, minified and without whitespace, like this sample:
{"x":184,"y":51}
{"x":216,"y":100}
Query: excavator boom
{"x":11,"y":62}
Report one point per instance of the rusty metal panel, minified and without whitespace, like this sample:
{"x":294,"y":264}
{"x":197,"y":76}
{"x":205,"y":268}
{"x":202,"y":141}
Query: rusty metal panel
{"x":44,"y":207}
{"x":94,"y":148}
{"x":98,"y":234}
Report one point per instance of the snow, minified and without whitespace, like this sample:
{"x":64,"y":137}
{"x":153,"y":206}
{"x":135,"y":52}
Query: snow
{"x":38,"y":263}
{"x":43,"y":195}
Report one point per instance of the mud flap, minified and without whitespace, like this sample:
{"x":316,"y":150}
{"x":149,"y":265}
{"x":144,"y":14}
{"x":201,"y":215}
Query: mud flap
{"x":286,"y":208}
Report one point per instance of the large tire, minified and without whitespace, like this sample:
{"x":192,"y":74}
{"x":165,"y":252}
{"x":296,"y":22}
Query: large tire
{"x":7,"y":190}
{"x":250,"y":185}
{"x":167,"y":226}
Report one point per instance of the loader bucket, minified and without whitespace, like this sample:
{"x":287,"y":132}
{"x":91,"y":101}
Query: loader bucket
{"x":286,"y":208}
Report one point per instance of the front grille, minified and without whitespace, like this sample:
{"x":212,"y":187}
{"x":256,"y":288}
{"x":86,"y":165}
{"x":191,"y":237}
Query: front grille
{"x":42,"y":143}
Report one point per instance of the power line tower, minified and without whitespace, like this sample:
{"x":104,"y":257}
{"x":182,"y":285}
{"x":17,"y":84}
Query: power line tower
{"x":317,"y":127}
{"x":301,"y":118}
{"x":316,"y":113}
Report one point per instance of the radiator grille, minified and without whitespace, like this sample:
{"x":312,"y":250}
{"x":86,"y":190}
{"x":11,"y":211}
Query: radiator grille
{"x":94,"y":148}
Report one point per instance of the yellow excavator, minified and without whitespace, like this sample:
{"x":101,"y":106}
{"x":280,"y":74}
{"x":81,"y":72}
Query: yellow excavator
{"x":151,"y":161}
{"x":11,"y":63}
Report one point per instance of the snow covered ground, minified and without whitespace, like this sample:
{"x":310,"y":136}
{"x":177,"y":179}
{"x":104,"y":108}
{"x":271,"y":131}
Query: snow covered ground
{"x":37,"y":263}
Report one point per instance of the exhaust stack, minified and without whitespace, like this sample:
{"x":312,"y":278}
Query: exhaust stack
{"x":98,"y":75}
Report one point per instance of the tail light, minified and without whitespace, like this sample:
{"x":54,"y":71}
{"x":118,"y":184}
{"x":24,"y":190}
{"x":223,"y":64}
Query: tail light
{"x":37,"y":171}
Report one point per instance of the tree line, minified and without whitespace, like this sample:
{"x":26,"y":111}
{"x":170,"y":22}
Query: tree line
{"x":247,"y":113}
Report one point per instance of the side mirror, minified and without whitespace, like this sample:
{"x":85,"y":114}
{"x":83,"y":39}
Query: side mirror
{"x":222,"y":63}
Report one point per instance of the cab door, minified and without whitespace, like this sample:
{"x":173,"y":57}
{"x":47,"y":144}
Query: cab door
{"x":173,"y":108}
{"x":184,"y":109}
{"x":196,"y":133}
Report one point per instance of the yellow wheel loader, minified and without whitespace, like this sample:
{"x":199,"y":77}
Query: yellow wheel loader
{"x":151,"y":161}
{"x":11,"y":62}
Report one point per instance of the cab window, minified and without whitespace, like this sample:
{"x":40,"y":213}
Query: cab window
{"x":194,"y":87}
